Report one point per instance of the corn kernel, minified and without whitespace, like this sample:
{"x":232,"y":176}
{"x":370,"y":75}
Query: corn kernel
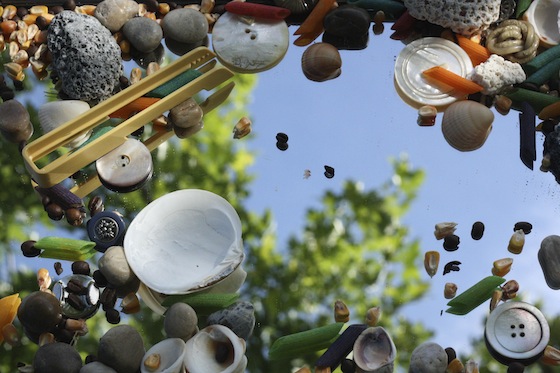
{"x":431,"y":262}
{"x":501,"y":267}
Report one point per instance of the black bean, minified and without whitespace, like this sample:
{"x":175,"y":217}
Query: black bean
{"x":523,"y":225}
{"x":329,"y":172}
{"x":451,"y":266}
{"x":516,"y":367}
{"x":113,"y":316}
{"x":42,"y":23}
{"x":451,"y":354}
{"x":477,"y":230}
{"x":451,"y":242}
{"x":281,"y":137}
{"x":29,"y":250}
{"x":99,"y":278}
{"x":21,"y":12}
{"x":282,"y":145}
{"x":348,"y":366}
{"x":75,"y":301}
{"x":58,"y":268}
{"x":80,"y":267}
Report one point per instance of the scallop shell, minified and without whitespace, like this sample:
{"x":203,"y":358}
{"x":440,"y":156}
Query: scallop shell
{"x":321,"y":62}
{"x":215,"y":348}
{"x":171,"y":353}
{"x":374,"y":351}
{"x":466,"y":125}
{"x":54,"y":114}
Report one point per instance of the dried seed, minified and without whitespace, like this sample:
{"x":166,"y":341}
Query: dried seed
{"x":163,"y":8}
{"x":11,"y":335}
{"x":502,"y":104}
{"x":378,"y":28}
{"x":450,"y":290}
{"x":373,"y":315}
{"x":9,"y":12}
{"x":510,"y":290}
{"x":45,"y":338}
{"x":303,"y":370}
{"x":43,"y":279}
{"x":526,"y":227}
{"x":135,"y":75}
{"x":431,"y":262}
{"x":496,"y":298}
{"x":130,"y":304}
{"x":322,"y":369}
{"x":58,"y":268}
{"x":32,"y":30}
{"x":516,"y":367}
{"x":451,"y":266}
{"x":21,"y":58}
{"x":39,"y":9}
{"x":206,"y":6}
{"x":477,"y":230}
{"x":160,"y":121}
{"x":113,"y":316}
{"x":551,"y":356}
{"x":451,"y":242}
{"x":341,"y":312}
{"x":95,"y":205}
{"x":108,"y":298}
{"x":74,"y":286}
{"x":99,"y":278}
{"x":152,"y":68}
{"x":444,"y":229}
{"x":329,"y":172}
{"x":471,"y":366}
{"x":152,"y":362}
{"x":455,"y":366}
{"x":76,"y":302}
{"x":242,"y":128}
{"x":29,"y":250}
{"x":516,"y":242}
{"x":125,"y":46}
{"x":13,"y":48}
{"x":501,"y":267}
{"x":426,"y":116}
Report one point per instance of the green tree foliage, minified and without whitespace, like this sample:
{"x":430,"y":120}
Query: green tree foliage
{"x":352,"y":248}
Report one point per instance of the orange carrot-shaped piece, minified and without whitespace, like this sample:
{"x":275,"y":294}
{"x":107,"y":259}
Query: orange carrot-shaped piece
{"x":308,"y":37}
{"x":135,"y":106}
{"x":476,"y":52}
{"x":440,"y":75}
{"x":315,"y":18}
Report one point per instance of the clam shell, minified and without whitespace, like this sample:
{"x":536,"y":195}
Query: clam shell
{"x":374,"y":351}
{"x":466,"y":125}
{"x":171,"y":352}
{"x":321,"y":62}
{"x":54,"y":114}
{"x":202,"y":351}
{"x":543,"y":15}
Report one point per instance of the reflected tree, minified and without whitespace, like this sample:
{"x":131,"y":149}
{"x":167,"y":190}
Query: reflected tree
{"x":352,"y":248}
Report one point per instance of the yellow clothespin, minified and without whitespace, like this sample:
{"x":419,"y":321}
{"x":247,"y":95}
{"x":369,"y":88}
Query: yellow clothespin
{"x":69,"y":163}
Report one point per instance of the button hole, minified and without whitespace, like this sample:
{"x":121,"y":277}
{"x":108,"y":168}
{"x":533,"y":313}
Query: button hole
{"x":522,"y":334}
{"x":512,"y":326}
{"x":247,"y":30}
{"x":521,"y":326}
{"x":253,"y":37}
{"x":513,"y":335}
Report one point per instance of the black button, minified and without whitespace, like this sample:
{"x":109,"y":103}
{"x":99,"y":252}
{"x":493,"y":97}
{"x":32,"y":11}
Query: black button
{"x":106,"y":229}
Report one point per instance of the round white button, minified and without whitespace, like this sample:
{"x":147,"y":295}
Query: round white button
{"x":516,"y":331}
{"x":249,"y":45}
{"x":125,"y":168}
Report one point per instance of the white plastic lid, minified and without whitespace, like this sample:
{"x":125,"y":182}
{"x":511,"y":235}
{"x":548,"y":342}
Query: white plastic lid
{"x":421,"y":55}
{"x":184,"y":242}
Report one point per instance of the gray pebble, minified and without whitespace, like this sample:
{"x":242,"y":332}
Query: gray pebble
{"x":143,"y":33}
{"x":57,"y":357}
{"x":429,"y":357}
{"x":187,"y":114}
{"x":15,"y":125}
{"x":114,"y":266}
{"x":122,"y":349}
{"x":180,"y":321}
{"x":549,"y":258}
{"x":113,"y":14}
{"x":97,"y":367}
{"x":86,"y":57}
{"x":239,"y":317}
{"x":180,"y":49}
{"x":185,"y":25}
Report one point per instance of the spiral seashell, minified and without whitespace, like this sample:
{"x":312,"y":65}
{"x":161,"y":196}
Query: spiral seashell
{"x":215,"y":348}
{"x":55,"y":114}
{"x":466,"y":125}
{"x":166,"y":356}
{"x":374,"y":351}
{"x":321,"y":62}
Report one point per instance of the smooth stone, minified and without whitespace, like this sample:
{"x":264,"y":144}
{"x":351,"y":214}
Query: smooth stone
{"x":239,"y":317}
{"x":429,"y":357}
{"x":114,"y":266}
{"x":185,"y":25}
{"x":180,"y":321}
{"x":57,"y":357}
{"x":187,"y":114}
{"x":549,"y":258}
{"x":15,"y":124}
{"x":86,"y":57}
{"x":97,"y":367}
{"x":179,"y":49}
{"x":346,"y":43}
{"x":347,"y":21}
{"x":113,"y":14}
{"x":122,"y":349}
{"x":143,"y":33}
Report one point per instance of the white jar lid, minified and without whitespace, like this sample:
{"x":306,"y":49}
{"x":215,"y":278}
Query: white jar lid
{"x":421,"y":55}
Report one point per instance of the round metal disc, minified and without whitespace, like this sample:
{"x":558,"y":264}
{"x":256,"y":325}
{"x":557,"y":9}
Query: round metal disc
{"x":125,"y":168}
{"x":249,"y":45}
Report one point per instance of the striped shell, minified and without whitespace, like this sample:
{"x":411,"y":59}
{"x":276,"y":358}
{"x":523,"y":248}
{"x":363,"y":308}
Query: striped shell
{"x":466,"y":125}
{"x":55,"y":114}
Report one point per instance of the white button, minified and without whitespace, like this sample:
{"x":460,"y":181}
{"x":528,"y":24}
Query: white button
{"x":125,"y":168}
{"x":249,"y":45}
{"x":516,"y":331}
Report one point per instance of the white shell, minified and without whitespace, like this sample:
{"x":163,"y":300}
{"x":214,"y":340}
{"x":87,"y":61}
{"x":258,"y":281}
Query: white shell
{"x":172,"y":354}
{"x":186,"y":241}
{"x":544,"y":16}
{"x":466,"y":124}
{"x":56,"y":113}
{"x":200,"y":351}
{"x":374,"y":351}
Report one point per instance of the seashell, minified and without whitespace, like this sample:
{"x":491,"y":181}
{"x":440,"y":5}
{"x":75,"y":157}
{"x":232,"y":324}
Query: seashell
{"x":374,"y":351}
{"x":55,"y":114}
{"x":466,"y":125}
{"x":215,"y":349}
{"x":321,"y":62}
{"x":166,"y":356}
{"x":543,"y":15}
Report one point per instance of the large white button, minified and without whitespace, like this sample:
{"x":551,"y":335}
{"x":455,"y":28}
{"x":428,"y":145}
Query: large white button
{"x":249,"y":45}
{"x":516,"y":331}
{"x":125,"y":168}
